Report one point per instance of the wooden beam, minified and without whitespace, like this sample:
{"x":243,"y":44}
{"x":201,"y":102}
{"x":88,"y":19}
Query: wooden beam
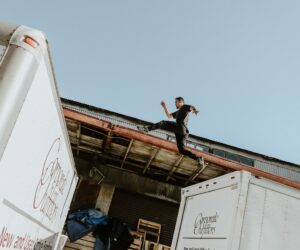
{"x":177,"y":164}
{"x":197,"y":172}
{"x":107,"y":141}
{"x":161,"y":143}
{"x":127,"y":152}
{"x":100,"y":155}
{"x":78,"y":133}
{"x":154,"y":154}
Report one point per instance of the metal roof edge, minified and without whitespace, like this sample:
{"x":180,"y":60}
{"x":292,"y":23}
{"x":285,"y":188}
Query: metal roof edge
{"x":191,"y":136}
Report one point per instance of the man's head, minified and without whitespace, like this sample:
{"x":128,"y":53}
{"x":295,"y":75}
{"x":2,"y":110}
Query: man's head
{"x":179,"y":101}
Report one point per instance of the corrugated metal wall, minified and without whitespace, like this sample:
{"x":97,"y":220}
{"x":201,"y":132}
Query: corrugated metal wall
{"x":131,"y":206}
{"x":288,"y":172}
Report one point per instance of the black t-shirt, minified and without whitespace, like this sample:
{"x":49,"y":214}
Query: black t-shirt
{"x":182,"y":115}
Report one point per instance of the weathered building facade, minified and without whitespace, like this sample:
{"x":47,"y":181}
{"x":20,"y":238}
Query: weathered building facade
{"x":131,"y":175}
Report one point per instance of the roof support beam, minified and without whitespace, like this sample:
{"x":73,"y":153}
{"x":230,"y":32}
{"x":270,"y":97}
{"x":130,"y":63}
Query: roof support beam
{"x":154,"y":154}
{"x":177,"y":164}
{"x":107,"y":141}
{"x":161,"y":143}
{"x":198,"y":171}
{"x":107,"y":157}
{"x":127,"y":152}
{"x":78,"y":133}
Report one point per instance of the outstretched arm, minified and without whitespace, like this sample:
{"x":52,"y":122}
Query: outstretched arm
{"x":194,"y":110}
{"x":168,"y":114}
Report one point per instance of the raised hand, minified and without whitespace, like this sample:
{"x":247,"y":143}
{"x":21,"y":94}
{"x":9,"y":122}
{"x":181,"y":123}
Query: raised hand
{"x":163,"y":104}
{"x":195,"y":111}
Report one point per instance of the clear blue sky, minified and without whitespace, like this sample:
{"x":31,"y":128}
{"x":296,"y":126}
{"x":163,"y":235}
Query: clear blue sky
{"x":238,"y":61}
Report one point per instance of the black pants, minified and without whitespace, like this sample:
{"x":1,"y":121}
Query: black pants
{"x":180,"y":133}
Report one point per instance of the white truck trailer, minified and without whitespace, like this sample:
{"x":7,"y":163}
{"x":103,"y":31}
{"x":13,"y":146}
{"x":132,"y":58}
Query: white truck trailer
{"x":238,"y":211}
{"x":37,"y":171}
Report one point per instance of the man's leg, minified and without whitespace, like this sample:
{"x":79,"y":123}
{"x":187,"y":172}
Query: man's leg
{"x":167,"y":125}
{"x":181,"y":141}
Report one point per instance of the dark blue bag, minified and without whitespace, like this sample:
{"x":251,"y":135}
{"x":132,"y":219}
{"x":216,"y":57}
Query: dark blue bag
{"x":77,"y":229}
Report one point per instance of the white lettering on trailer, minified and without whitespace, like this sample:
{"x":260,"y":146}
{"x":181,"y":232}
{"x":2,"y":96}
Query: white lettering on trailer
{"x":37,"y":173}
{"x":52,"y":183}
{"x":6,"y":238}
{"x":205,"y":224}
{"x":10,"y":240}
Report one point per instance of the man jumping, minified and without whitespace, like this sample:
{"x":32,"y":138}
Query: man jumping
{"x":179,"y":127}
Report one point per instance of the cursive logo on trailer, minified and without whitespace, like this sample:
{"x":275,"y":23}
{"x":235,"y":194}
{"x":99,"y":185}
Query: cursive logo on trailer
{"x":52,"y":182}
{"x":205,"y":225}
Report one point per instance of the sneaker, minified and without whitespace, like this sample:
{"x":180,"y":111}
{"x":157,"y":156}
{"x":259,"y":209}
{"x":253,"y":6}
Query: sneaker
{"x":143,"y":129}
{"x":200,"y":161}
